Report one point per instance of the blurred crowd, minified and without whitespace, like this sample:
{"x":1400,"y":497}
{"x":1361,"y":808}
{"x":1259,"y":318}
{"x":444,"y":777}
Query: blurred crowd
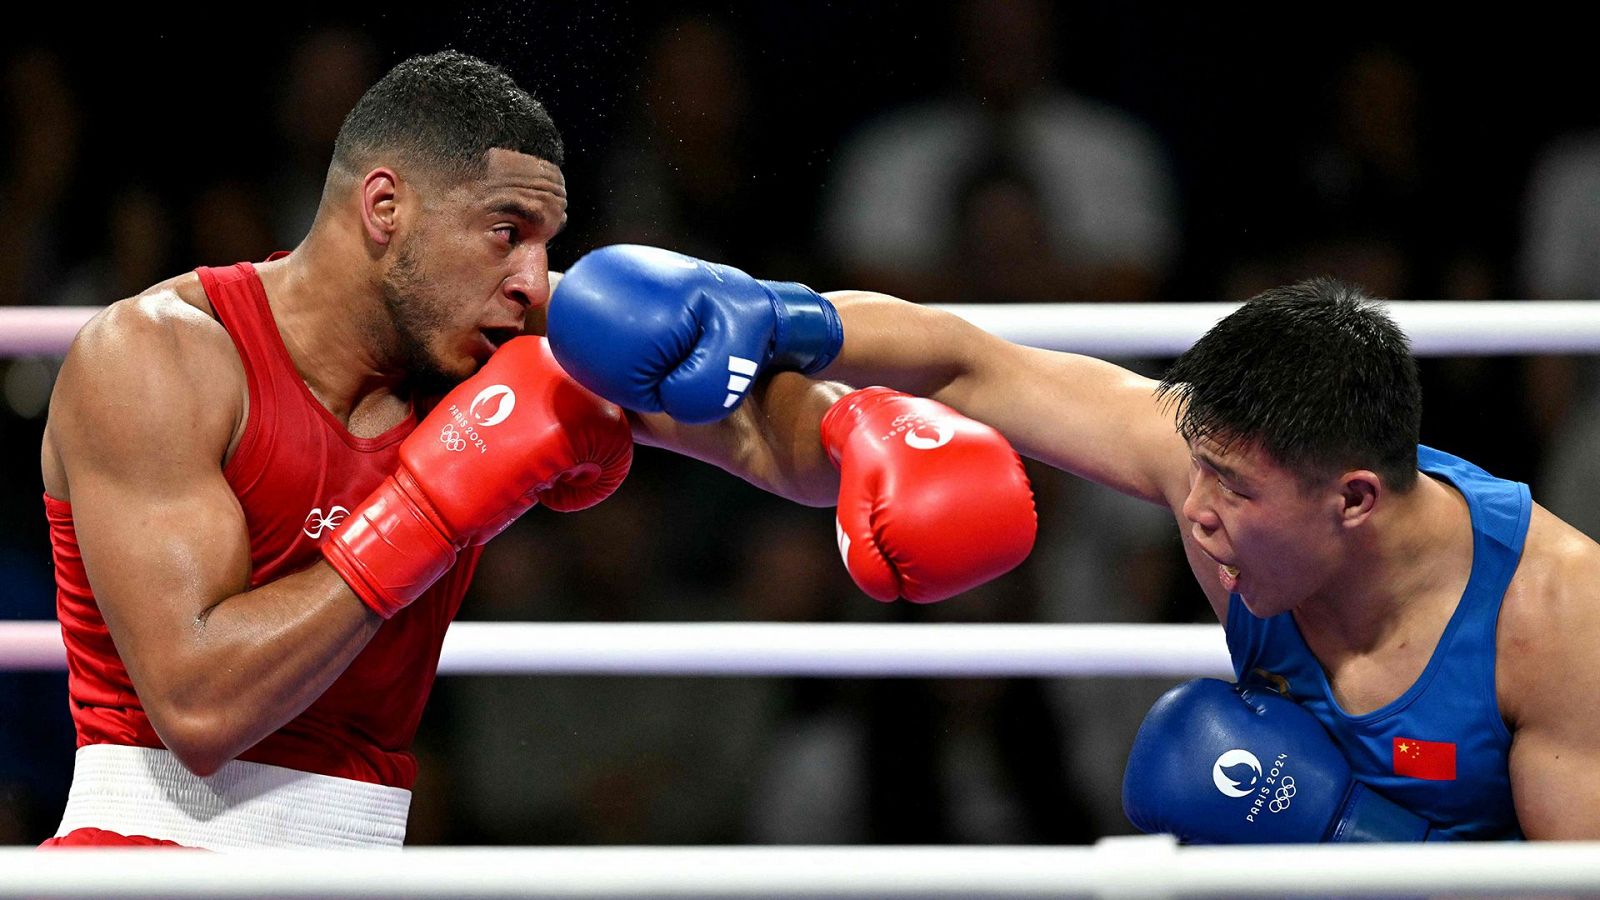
{"x":966,"y":152}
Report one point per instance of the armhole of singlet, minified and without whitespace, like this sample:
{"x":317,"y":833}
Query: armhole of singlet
{"x":1492,"y":665}
{"x":233,"y":321}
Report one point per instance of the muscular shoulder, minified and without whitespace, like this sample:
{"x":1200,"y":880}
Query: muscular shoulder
{"x":157,"y":359}
{"x":1548,"y":643}
{"x":167,"y":329}
{"x":177,"y":306}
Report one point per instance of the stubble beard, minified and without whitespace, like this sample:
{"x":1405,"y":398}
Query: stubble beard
{"x":416,"y":316}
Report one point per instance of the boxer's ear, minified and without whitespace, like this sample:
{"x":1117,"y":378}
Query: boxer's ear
{"x":379,"y":206}
{"x":1359,"y":492}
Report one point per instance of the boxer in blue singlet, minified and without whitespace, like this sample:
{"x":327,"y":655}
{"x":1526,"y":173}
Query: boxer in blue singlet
{"x":1440,"y":749}
{"x":1417,"y":644}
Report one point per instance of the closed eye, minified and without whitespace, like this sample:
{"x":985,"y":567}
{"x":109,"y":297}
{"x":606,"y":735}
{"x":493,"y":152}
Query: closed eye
{"x":1205,"y":467}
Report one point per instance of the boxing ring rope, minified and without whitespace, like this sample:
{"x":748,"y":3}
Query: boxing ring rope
{"x":1143,"y":867}
{"x":774,"y":649}
{"x":1436,"y":327}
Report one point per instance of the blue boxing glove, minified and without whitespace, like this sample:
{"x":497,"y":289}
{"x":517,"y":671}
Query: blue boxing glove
{"x":657,"y":331}
{"x":1220,"y":763}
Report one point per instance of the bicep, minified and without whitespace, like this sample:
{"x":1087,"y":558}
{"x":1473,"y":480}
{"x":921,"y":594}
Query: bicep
{"x":1546,"y":679}
{"x":1555,"y":780}
{"x":1094,"y":419}
{"x":140,"y":433}
{"x":1084,"y":415}
{"x":159,"y":554}
{"x":1077,"y":413}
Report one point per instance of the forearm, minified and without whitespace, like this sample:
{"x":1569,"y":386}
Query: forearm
{"x":254,"y":661}
{"x":773,"y":440}
{"x":1022,"y":391}
{"x":787,"y":418}
{"x":901,"y":345}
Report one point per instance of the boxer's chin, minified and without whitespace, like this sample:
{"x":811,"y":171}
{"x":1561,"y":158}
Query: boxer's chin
{"x":1255,"y":609}
{"x":435,"y":373}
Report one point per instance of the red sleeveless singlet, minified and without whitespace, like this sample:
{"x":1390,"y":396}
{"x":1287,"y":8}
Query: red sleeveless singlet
{"x":297,"y":472}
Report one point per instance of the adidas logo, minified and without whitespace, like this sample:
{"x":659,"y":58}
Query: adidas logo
{"x":741,"y":372}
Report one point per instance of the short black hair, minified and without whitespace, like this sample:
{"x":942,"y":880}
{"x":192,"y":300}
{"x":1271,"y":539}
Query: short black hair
{"x":445,"y":111}
{"x":1314,"y":373}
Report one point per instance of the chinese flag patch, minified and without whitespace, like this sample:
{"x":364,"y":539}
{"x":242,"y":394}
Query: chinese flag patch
{"x":1428,"y":760}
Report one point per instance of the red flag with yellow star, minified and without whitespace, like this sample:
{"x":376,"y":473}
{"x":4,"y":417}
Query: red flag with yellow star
{"x":1428,"y":760}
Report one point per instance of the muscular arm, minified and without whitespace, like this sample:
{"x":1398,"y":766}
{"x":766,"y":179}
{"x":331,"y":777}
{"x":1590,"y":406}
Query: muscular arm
{"x":1080,"y":414}
{"x":140,"y":422}
{"x":1548,"y":676}
{"x":771,"y":441}
{"x":1084,"y":415}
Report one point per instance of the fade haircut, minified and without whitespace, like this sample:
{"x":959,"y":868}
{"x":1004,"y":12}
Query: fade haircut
{"x":444,"y":113}
{"x":1316,"y":374}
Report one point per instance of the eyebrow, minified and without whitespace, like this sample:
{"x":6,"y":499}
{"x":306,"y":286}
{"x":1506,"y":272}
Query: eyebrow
{"x":1224,"y":471}
{"x":513,"y":208}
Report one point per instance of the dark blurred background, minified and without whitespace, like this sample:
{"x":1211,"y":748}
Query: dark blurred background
{"x":995,"y":150}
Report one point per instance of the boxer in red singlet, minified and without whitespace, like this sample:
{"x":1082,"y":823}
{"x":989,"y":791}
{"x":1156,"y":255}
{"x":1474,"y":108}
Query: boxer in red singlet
{"x":267,"y":485}
{"x":252,"y":602}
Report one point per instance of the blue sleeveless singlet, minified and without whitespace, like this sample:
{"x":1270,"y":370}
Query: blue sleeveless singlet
{"x":1440,"y":749}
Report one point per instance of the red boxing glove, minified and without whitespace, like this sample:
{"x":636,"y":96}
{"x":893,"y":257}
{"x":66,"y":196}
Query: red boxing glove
{"x":931,"y":503}
{"x":519,"y":432}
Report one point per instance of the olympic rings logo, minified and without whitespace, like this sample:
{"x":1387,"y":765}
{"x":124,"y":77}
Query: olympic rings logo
{"x":452,"y":439}
{"x":1282,"y":796}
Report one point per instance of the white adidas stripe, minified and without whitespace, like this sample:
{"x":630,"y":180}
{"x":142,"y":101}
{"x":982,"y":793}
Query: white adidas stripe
{"x":742,"y":372}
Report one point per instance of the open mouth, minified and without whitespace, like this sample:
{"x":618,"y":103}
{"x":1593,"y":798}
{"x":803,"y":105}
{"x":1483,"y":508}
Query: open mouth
{"x":1229,"y":576}
{"x":499,"y":337}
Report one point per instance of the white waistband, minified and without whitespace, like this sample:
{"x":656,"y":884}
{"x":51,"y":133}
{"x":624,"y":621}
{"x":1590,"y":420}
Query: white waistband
{"x":146,"y":791}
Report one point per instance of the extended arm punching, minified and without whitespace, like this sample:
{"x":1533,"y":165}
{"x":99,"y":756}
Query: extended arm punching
{"x":682,"y":341}
{"x":696,"y":331}
{"x":653,"y":330}
{"x":1076,"y":413}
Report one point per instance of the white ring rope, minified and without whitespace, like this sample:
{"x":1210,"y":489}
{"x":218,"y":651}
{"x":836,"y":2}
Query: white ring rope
{"x":1436,"y":327}
{"x":1145,"y":867}
{"x":774,"y":649}
{"x":26,"y":330}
